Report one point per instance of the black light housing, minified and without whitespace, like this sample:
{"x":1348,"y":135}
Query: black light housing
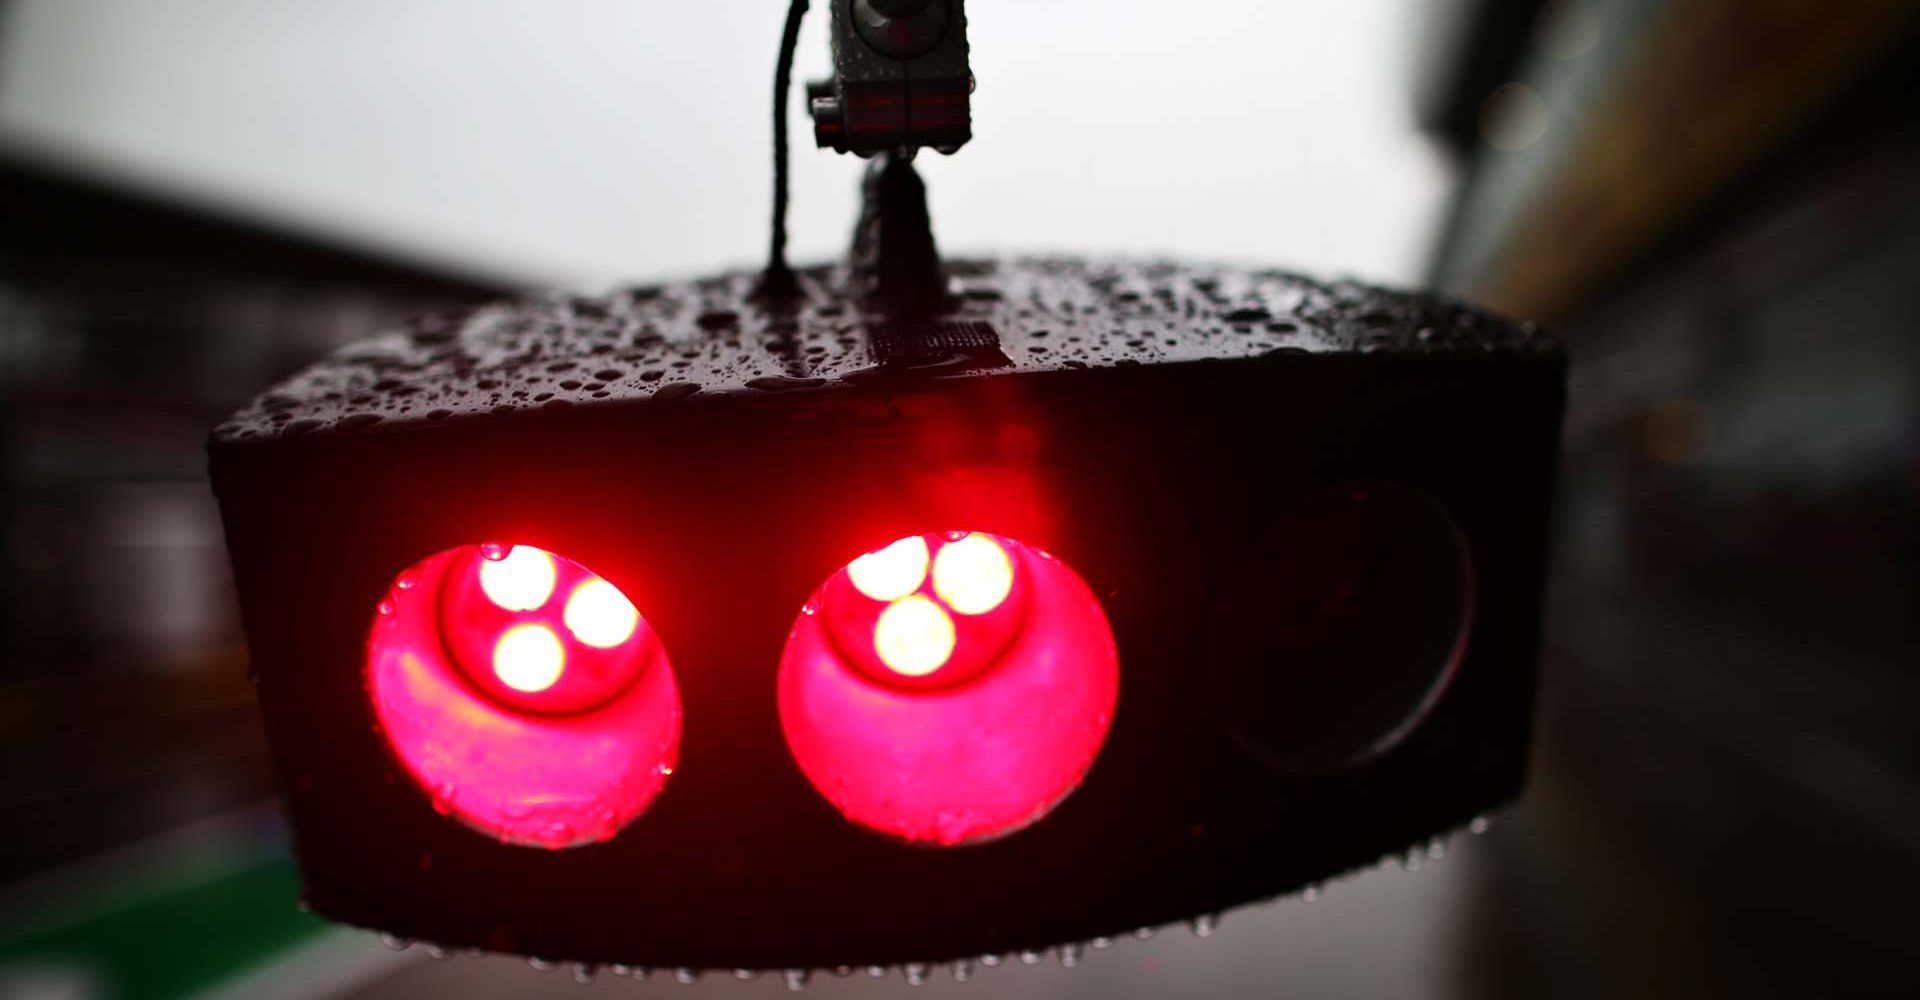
{"x":1314,"y":516}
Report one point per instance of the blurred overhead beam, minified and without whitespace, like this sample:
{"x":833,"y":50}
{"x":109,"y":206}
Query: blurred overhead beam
{"x":1468,"y":48}
{"x":1675,"y":103}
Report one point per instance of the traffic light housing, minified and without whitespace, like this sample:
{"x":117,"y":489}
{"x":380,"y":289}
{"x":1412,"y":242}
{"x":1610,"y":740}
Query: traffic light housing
{"x":1310,"y":517}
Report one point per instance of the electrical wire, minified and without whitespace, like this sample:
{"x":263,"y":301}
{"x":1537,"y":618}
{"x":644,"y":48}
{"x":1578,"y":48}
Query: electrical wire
{"x":778,"y":278}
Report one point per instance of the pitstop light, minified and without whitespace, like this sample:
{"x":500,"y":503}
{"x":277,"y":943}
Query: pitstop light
{"x":683,"y":627}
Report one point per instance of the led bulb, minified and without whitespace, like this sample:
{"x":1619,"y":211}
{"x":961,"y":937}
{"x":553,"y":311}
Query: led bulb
{"x":599,"y":615}
{"x":893,"y":572}
{"x":522,"y":580}
{"x":529,"y":658}
{"x":913,"y":637}
{"x":973,"y":574}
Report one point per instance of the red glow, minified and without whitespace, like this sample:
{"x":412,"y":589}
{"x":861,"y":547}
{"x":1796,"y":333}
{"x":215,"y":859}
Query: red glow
{"x":987,"y":742}
{"x":518,"y":716}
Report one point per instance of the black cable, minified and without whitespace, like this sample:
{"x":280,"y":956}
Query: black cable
{"x":778,"y":279}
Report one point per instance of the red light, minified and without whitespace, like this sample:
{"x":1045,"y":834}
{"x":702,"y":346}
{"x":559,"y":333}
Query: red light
{"x":919,"y":718}
{"x":891,"y":619}
{"x":539,"y":718}
{"x":540,"y":633}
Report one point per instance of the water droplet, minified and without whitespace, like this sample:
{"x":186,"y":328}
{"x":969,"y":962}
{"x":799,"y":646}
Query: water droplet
{"x":1144,"y":933}
{"x":493,"y":551}
{"x":843,"y":971}
{"x":619,"y":969}
{"x":1070,"y":954}
{"x":877,"y":971}
{"x":394,"y":942}
{"x":685,"y":976}
{"x":540,"y":964}
{"x":1310,"y":894}
{"x":796,"y":979}
{"x":962,"y":970}
{"x":746,"y":974}
{"x":916,"y":973}
{"x":1436,"y":849}
{"x":1101,"y":942}
{"x":1204,"y":925}
{"x":1479,"y":825}
{"x":991,"y":961}
{"x":385,"y":608}
{"x":1030,"y":956}
{"x":583,"y":973}
{"x":435,"y":951}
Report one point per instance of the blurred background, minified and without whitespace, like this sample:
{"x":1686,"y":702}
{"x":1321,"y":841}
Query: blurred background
{"x":1717,"y":203}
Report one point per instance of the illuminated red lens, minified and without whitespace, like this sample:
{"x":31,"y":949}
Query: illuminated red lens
{"x":948,"y":688}
{"x":524,"y":693}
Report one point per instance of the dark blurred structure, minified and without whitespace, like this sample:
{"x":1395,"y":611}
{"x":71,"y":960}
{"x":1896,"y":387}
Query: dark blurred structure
{"x":127,"y":327}
{"x":1718,"y":204}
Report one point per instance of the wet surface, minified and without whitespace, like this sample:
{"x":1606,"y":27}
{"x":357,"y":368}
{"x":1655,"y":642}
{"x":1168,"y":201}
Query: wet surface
{"x":662,"y":343}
